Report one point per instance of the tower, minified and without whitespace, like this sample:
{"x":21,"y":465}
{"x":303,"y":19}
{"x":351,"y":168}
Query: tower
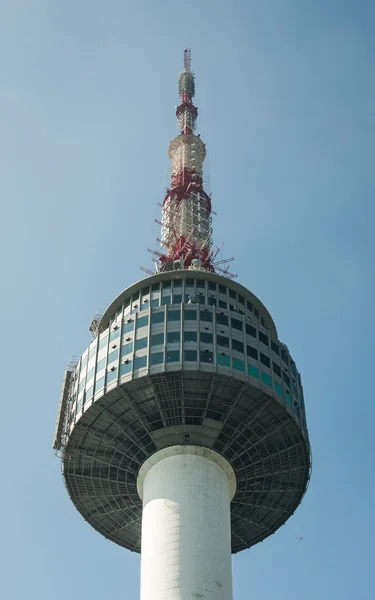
{"x":182,"y":428}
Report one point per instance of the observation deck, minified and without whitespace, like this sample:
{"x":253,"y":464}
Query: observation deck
{"x":184,"y":357}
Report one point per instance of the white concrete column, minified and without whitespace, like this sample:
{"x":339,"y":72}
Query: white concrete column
{"x":186,"y":534}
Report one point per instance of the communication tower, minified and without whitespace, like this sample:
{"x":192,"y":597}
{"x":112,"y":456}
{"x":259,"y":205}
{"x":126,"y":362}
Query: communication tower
{"x":181,"y":428}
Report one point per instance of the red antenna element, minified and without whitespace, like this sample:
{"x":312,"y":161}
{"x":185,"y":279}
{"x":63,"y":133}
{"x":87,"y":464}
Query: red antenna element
{"x":186,"y":224}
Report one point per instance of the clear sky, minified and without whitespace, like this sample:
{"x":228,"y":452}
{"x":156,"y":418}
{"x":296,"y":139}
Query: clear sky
{"x":285,"y":90}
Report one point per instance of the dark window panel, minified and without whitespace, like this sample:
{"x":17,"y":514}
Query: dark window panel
{"x":252,"y":352}
{"x":265,"y":360}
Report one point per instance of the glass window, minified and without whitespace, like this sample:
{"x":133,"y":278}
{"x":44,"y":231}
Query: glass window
{"x":222,"y":289}
{"x":140,"y":344}
{"x":294,"y":390}
{"x":89,"y":392}
{"x":206,"y":316}
{"x":177,"y":283}
{"x":173,"y":336}
{"x":288,"y":399}
{"x":190,"y":355}
{"x":223,"y":360}
{"x":155,"y":302}
{"x":238,"y":364}
{"x":145,"y":291}
{"x":83,"y":364}
{"x":190,"y":336}
{"x":263,"y":338}
{"x":112,"y":356}
{"x":212,"y":301}
{"x":103,"y":342}
{"x":252,"y":352}
{"x":250,"y":330}
{"x":190,"y":282}
{"x":125,"y":368}
{"x":155,"y":286}
{"x":156,"y":358}
{"x":157,"y":339}
{"x":276,"y":369}
{"x":253,"y":371}
{"x":177,"y":299}
{"x":222,"y":304}
{"x":166,"y":300}
{"x":114,"y":335}
{"x":232,"y":294}
{"x":92,"y":351}
{"x":266,"y":379}
{"x":249,"y":306}
{"x":265,"y":360}
{"x":236,"y":324}
{"x":278,"y":389}
{"x":207,"y":338}
{"x":128,"y":327}
{"x":286,"y":378}
{"x":256,"y":313}
{"x":241,"y":299}
{"x":222,"y":341}
{"x":99,"y":385}
{"x":200,"y":283}
{"x":101,"y":364}
{"x":190,"y":315}
{"x":207,"y":357}
{"x":275,"y":347}
{"x":127,"y":303}
{"x":157,"y":317}
{"x":81,"y":386}
{"x":111,"y":376}
{"x":237,"y":345}
{"x":173,"y":355}
{"x":293,"y":368}
{"x":142,"y":321}
{"x":174,"y":315}
{"x":127,"y":349}
{"x":136,"y":297}
{"x":90,"y":374}
{"x":144,"y":306}
{"x":221,"y":319}
{"x":167,"y":284}
{"x":212,"y":285}
{"x":262,"y":322}
{"x":140,"y":362}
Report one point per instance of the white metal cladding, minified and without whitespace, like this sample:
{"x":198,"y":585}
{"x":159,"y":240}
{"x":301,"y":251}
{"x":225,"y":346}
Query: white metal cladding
{"x":186,"y":538}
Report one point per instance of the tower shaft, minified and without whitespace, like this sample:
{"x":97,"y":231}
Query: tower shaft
{"x":186,"y":533}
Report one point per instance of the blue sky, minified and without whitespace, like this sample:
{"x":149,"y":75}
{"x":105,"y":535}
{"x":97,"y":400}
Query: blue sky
{"x":286,"y":93}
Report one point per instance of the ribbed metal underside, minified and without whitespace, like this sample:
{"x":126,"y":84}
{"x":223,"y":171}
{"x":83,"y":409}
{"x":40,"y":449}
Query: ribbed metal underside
{"x":250,"y":428}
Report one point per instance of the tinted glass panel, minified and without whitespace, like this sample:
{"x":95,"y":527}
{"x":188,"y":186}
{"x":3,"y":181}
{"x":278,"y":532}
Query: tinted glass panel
{"x":173,"y":355}
{"x":263,"y":338}
{"x":265,"y":360}
{"x":190,"y":315}
{"x":157,"y":317}
{"x":206,"y":316}
{"x":207,"y":357}
{"x":128,"y":327}
{"x":90,"y":374}
{"x":174,"y":315}
{"x":200,"y":283}
{"x":166,"y":300}
{"x":100,"y":364}
{"x":241,"y":299}
{"x":236,"y":324}
{"x":155,"y":302}
{"x":275,"y":347}
{"x":212,"y":301}
{"x":112,"y":356}
{"x":157,"y":358}
{"x":92,"y":351}
{"x":157,"y":339}
{"x":190,"y":336}
{"x":236,"y":345}
{"x":232,"y":294}
{"x":190,"y":355}
{"x":173,"y":336}
{"x":223,"y":360}
{"x":190,"y":282}
{"x":140,"y":344}
{"x":142,"y":321}
{"x":222,"y":304}
{"x":253,"y":371}
{"x":99,"y":384}
{"x":276,"y":369}
{"x":206,"y":338}
{"x":125,"y":368}
{"x":127,"y":349}
{"x":238,"y":364}
{"x":211,"y":285}
{"x":222,"y":341}
{"x":252,"y":352}
{"x":140,"y":362}
{"x":155,"y":286}
{"x":250,"y":330}
{"x":222,"y":289}
{"x":284,"y":356}
{"x":166,"y":284}
{"x":177,"y":283}
{"x":266,"y":378}
{"x":103,"y":342}
{"x":278,"y":389}
{"x":286,"y":378}
{"x":221,"y":319}
{"x":111,"y":376}
{"x":177,"y":299}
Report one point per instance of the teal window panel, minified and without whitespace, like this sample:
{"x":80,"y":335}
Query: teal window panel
{"x":190,"y":336}
{"x":278,"y":389}
{"x":206,"y":338}
{"x":128,"y":327}
{"x":155,"y":286}
{"x":126,"y":368}
{"x":238,"y":364}
{"x":222,"y":341}
{"x":155,"y":302}
{"x":166,"y":300}
{"x":212,"y":285}
{"x":112,"y":356}
{"x":127,"y":349}
{"x":79,"y":405}
{"x":177,"y":298}
{"x":101,"y":364}
{"x":157,"y":358}
{"x":114,"y":334}
{"x":173,"y":336}
{"x":177,"y":283}
{"x":157,"y":339}
{"x":206,"y":316}
{"x":99,"y":385}
{"x":200,"y":283}
{"x":143,"y":306}
{"x":142,"y":321}
{"x":141,"y":344}
{"x":266,"y":379}
{"x":89,"y":392}
{"x":90,"y":374}
{"x":206,"y":357}
{"x":221,"y":319}
{"x":173,"y":355}
{"x":223,"y":360}
{"x":140,"y":362}
{"x":92,"y":351}
{"x":167,"y":284}
{"x":103,"y":342}
{"x":190,"y":315}
{"x":288,"y":399}
{"x":190,"y":355}
{"x":174,"y":315}
{"x":81,"y":385}
{"x":111,"y":376}
{"x":83,"y":364}
{"x":157,"y":318}
{"x":253,"y":371}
